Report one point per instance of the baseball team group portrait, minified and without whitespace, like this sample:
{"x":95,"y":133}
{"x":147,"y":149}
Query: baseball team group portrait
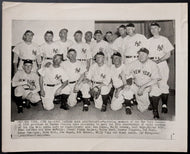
{"x":93,"y":70}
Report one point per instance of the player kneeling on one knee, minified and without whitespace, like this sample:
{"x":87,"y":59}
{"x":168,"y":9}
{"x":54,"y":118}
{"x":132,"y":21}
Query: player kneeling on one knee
{"x":26,"y":85}
{"x":99,"y":79}
{"x":120,"y":85}
{"x":76,"y":72}
{"x":146,"y":75}
{"x":53,"y":80}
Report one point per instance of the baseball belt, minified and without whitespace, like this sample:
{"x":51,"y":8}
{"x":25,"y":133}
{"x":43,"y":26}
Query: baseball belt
{"x":131,"y":56}
{"x":34,"y":60}
{"x":48,"y":58}
{"x":51,"y":85}
{"x":81,"y":59}
{"x":156,"y":58}
{"x":95,"y":82}
{"x":72,"y":82}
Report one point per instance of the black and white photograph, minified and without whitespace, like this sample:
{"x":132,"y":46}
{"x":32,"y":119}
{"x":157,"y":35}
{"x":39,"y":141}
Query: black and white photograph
{"x":94,"y":77}
{"x":57,"y":75}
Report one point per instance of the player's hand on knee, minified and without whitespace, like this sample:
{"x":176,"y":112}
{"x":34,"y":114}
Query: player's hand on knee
{"x":58,"y":92}
{"x":48,"y":64}
{"x":140,"y":91}
{"x":42,"y":93}
{"x":29,"y":96}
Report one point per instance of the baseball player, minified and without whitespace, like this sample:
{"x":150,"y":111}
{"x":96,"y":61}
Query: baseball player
{"x":49,"y":48}
{"x":82,"y":49}
{"x":26,"y":85}
{"x":160,"y":50}
{"x":99,"y":45}
{"x":132,"y":43}
{"x":88,"y":37}
{"x":118,"y":43}
{"x":53,"y":80}
{"x":75,"y":71}
{"x":100,"y":78}
{"x":26,"y":50}
{"x":121,"y":94}
{"x":64,"y":43}
{"x":146,"y":75}
{"x":109,"y":38}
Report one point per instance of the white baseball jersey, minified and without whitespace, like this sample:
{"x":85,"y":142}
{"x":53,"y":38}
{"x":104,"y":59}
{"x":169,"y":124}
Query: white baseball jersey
{"x":73,"y":70}
{"x":52,"y":75}
{"x":99,"y":46}
{"x":27,"y":51}
{"x":132,"y":44}
{"x":143,"y":73}
{"x":158,"y":47}
{"x":116,"y":75}
{"x":49,"y":50}
{"x":64,"y":47}
{"x":82,"y":49}
{"x":21,"y":78}
{"x":99,"y":74}
{"x":118,"y":44}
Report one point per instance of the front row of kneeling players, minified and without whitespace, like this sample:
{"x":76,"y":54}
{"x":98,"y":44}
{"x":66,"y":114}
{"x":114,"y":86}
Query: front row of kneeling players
{"x":64,"y":80}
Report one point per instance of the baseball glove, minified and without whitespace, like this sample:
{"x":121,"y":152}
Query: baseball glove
{"x":95,"y":92}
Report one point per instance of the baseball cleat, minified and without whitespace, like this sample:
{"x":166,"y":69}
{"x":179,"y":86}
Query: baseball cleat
{"x":156,"y":115}
{"x":128,"y":110}
{"x":28,"y":104}
{"x":20,"y":109}
{"x":64,"y":107}
{"x":103,"y":108}
{"x":150,"y":107}
{"x":85,"y":108}
{"x":164,"y":110}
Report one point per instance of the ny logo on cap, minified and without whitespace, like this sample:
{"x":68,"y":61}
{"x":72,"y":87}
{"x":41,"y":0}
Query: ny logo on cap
{"x":77,"y":70}
{"x":160,"y":47}
{"x":34,"y":52}
{"x":137,"y":43}
{"x":83,"y":50}
{"x":103,"y":76}
{"x":55,"y":51}
{"x":57,"y":77}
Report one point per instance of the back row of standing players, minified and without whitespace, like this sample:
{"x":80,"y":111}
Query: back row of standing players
{"x":125,"y":46}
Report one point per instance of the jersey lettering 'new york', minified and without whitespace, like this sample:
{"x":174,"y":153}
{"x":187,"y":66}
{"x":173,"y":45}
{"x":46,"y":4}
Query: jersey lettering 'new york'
{"x":143,"y":73}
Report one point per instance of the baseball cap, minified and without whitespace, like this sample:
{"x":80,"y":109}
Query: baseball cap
{"x":100,"y":53}
{"x":154,"y":24}
{"x":145,"y":50}
{"x":49,"y":32}
{"x":78,"y":31}
{"x":130,"y":25}
{"x":27,"y":61}
{"x":28,"y":31}
{"x":71,"y":49}
{"x":116,"y":54}
{"x":97,"y":32}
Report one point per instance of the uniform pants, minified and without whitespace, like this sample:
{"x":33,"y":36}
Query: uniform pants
{"x":143,"y":100}
{"x":21,"y":92}
{"x":164,"y":71}
{"x":117,"y":103}
{"x":47,"y":100}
